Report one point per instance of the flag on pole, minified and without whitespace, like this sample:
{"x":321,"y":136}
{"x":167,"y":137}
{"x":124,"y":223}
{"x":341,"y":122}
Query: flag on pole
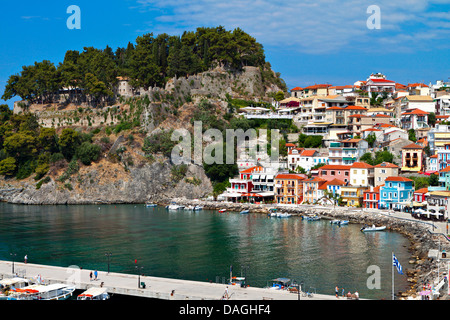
{"x":397,"y":264}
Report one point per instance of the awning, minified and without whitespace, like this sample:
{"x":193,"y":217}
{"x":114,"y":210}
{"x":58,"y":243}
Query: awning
{"x":232,"y":195}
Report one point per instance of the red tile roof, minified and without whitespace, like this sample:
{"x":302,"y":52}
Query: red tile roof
{"x":252,"y":169}
{"x":401,"y":179}
{"x":334,"y":167}
{"x":423,"y":190}
{"x":355,"y":108}
{"x":308,"y":153}
{"x":412,"y":146}
{"x":415,"y":111}
{"x":361,"y":165}
{"x":336,"y":182}
{"x":290,"y":176}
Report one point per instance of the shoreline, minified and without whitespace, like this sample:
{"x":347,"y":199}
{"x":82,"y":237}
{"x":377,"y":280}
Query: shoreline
{"x":420,"y":268}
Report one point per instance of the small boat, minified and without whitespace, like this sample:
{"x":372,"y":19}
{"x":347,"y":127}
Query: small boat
{"x":57,"y":291}
{"x":280,"y":284}
{"x":94,"y":294}
{"x":198,"y":208}
{"x":238,"y":281}
{"x":373,"y":228}
{"x":189,"y":208}
{"x":244,"y":212}
{"x":272,"y":212}
{"x":311,"y":217}
{"x":283,"y":215}
{"x":10,"y":285}
{"x":339,"y":222}
{"x":151,"y":205}
{"x":222,"y":210}
{"x":174,"y":206}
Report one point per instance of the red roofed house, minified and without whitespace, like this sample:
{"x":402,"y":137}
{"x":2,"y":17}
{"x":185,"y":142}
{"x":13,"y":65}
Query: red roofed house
{"x":243,"y":184}
{"x":330,"y":172}
{"x":414,"y":119}
{"x":289,"y":188}
{"x":397,"y":193}
{"x":371,"y":198}
{"x":361,"y":174}
{"x":377,"y":83}
{"x":384,"y":170}
{"x":420,"y":195}
{"x":313,"y":189}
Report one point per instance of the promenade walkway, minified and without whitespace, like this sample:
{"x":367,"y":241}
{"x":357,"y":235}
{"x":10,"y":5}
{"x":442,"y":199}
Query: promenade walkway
{"x":159,"y":288}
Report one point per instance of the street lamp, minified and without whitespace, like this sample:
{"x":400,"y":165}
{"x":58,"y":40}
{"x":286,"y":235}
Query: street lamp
{"x":108,"y":255}
{"x":13,"y":255}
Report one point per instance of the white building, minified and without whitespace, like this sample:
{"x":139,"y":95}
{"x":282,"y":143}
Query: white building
{"x":361,"y":174}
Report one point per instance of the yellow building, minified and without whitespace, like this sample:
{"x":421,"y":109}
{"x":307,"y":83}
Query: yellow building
{"x":412,"y":158}
{"x":289,"y":188}
{"x":353,"y":196}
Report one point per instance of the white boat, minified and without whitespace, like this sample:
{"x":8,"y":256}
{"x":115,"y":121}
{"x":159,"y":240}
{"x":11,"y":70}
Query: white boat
{"x":339,"y":222}
{"x":189,"y":208}
{"x":151,"y":205}
{"x":283,"y":215}
{"x":244,"y":212}
{"x":311,"y":217}
{"x":94,"y":294}
{"x":222,"y":210}
{"x":57,"y":291}
{"x":198,"y":208}
{"x":373,"y":228}
{"x":174,"y":206}
{"x":272,"y":212}
{"x":10,"y":285}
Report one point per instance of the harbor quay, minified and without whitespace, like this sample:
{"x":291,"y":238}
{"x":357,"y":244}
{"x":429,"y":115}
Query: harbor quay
{"x":147,"y":286}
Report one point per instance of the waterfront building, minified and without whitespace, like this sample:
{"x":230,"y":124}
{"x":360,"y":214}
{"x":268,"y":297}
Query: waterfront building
{"x":352,"y":196}
{"x":397,"y":193}
{"x":334,"y":187}
{"x":420,"y":195}
{"x":383,"y":171}
{"x":289,"y":188}
{"x":371,"y":197}
{"x":313,"y":190}
{"x":330,"y":172}
{"x":444,"y":178}
{"x":346,"y":152}
{"x":241,"y":185}
{"x":412,"y":158}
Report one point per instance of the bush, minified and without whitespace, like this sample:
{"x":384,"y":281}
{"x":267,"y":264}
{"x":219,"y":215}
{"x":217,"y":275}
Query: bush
{"x":8,"y":166}
{"x":88,"y":152}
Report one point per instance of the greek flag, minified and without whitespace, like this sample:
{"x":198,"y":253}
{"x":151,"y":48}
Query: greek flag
{"x":397,"y":264}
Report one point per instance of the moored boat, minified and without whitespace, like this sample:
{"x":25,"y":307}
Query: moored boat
{"x":339,"y":222}
{"x":283,"y":215}
{"x":222,"y":210}
{"x":372,"y":228}
{"x":57,"y":291}
{"x":10,"y":285}
{"x":244,"y":212}
{"x":151,"y":205}
{"x":94,"y":293}
{"x":198,"y":208}
{"x":311,"y":217}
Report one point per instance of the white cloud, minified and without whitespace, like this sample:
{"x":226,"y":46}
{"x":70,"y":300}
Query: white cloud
{"x":310,"y":26}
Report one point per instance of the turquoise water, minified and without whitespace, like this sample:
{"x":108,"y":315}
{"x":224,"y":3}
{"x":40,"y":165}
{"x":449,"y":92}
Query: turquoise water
{"x":202,"y":245}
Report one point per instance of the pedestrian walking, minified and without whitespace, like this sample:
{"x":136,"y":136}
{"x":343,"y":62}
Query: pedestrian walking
{"x":336,"y":290}
{"x":343,"y":292}
{"x":95,"y":274}
{"x":26,"y":258}
{"x":90,"y":276}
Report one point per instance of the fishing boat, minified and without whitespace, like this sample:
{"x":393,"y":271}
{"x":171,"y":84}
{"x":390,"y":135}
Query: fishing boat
{"x":9,"y":286}
{"x":244,"y":212}
{"x":57,"y":291}
{"x":222,"y":210}
{"x":94,"y":294}
{"x":372,"y":229}
{"x":151,"y":205}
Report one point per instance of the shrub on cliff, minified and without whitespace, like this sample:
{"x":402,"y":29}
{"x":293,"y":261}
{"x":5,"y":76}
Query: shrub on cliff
{"x":88,"y":152}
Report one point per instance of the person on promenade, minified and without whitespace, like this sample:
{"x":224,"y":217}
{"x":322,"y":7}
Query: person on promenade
{"x":26,"y":259}
{"x":336,"y":290}
{"x":90,"y":276}
{"x":343,"y":293}
{"x":95,"y":274}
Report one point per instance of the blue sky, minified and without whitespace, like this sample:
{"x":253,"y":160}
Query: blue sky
{"x":308,"y":42}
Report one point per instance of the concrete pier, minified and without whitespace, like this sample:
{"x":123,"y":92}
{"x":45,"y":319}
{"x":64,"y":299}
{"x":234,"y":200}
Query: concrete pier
{"x":158,"y":288}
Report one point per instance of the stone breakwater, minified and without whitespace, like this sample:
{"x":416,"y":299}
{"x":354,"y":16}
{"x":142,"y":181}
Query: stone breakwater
{"x":420,"y":269}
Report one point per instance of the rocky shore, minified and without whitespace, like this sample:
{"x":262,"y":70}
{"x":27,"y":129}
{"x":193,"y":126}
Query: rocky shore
{"x":420,"y":270}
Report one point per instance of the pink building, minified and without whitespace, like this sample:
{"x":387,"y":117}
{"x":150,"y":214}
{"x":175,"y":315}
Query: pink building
{"x":330,"y":172}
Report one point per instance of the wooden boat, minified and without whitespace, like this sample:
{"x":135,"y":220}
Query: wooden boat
{"x":57,"y":291}
{"x":372,"y":229}
{"x":94,"y":294}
